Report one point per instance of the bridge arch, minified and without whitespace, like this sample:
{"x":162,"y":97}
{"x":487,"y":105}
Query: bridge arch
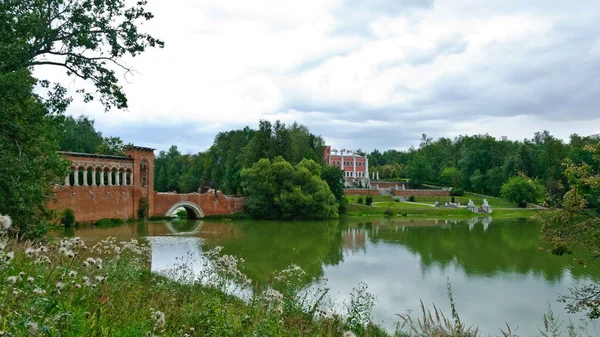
{"x":193,"y":210}
{"x":196,"y":229}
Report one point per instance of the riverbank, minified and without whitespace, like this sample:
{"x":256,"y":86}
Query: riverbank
{"x":65,"y":288}
{"x":420,"y":211}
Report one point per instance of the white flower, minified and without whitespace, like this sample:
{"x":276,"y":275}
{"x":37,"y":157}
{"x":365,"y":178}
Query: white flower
{"x":5,"y":222}
{"x":2,"y":244}
{"x":30,"y":252}
{"x":349,"y":334}
{"x":159,"y":319}
{"x":10,"y":256}
{"x":39,"y":291}
{"x":70,"y":254}
{"x":60,"y":285}
{"x":12,"y":279}
{"x":72,"y":273}
{"x":30,"y":279}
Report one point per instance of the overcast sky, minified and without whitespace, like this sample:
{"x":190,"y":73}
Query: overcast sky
{"x":362,"y":73}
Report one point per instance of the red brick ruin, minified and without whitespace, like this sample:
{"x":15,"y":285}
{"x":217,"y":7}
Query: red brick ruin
{"x":100,"y":187}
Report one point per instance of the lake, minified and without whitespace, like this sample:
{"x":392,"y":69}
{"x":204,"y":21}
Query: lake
{"x":496,"y":269}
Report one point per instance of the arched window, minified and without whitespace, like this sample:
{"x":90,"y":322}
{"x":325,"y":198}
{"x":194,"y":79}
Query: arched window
{"x":144,"y":172}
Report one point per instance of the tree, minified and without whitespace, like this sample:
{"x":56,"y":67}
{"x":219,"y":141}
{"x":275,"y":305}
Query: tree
{"x":29,"y":162}
{"x":418,"y":170}
{"x":88,"y":39}
{"x":522,"y":190}
{"x":334,"y":177}
{"x":276,"y":189}
{"x":451,"y":177}
{"x":572,"y":225}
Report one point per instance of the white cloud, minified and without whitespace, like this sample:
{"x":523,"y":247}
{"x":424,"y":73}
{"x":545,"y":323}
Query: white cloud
{"x":370,"y":74}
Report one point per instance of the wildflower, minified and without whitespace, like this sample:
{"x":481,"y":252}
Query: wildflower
{"x":98,"y":266}
{"x":12,"y":279}
{"x":70,"y":254}
{"x":349,"y":334}
{"x":21,"y":274}
{"x":72,"y":273}
{"x":78,"y":286}
{"x":30,"y":279}
{"x":86,"y":264}
{"x":60,"y":285}
{"x":5,"y":222}
{"x":158,"y":317}
{"x":30,"y":252}
{"x":100,"y":279}
{"x":63,"y":250}
{"x":15,"y":292}
{"x":39,"y":291}
{"x":9,"y":256}
{"x":43,"y":249}
{"x":2,"y":246}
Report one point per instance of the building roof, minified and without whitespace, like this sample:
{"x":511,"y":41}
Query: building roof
{"x":140,"y":148}
{"x":93,"y":155}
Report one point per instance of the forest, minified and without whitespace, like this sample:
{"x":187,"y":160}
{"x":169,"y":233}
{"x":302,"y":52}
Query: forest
{"x":477,"y":163}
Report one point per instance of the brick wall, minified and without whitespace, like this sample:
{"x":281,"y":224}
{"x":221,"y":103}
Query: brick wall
{"x":422,"y":193}
{"x":94,"y":203}
{"x":360,"y":191}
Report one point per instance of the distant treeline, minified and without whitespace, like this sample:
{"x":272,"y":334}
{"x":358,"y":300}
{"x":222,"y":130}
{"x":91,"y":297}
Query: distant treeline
{"x":482,"y":163}
{"x":478,"y":163}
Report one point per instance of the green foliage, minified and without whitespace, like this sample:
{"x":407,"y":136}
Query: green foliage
{"x":457,"y":192}
{"x":451,"y":177}
{"x":411,"y":198}
{"x":87,"y":39}
{"x":570,"y":226}
{"x":360,"y":200}
{"x":522,"y":190}
{"x":182,"y":213}
{"x":368,"y":200}
{"x":419,"y":170}
{"x":110,"y":222}
{"x":143,"y":207}
{"x":68,"y":218}
{"x":334,"y":177}
{"x":276,"y":189}
{"x":30,"y":165}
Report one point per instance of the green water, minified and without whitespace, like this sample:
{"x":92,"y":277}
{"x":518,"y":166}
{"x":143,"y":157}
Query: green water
{"x":496,"y":268}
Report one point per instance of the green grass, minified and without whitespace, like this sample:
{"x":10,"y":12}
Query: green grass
{"x":464,"y":200}
{"x":406,"y":209}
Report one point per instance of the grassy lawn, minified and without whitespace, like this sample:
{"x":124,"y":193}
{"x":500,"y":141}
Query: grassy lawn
{"x":464,"y":200}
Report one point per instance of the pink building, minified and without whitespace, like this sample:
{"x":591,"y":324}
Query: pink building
{"x":354,"y":165}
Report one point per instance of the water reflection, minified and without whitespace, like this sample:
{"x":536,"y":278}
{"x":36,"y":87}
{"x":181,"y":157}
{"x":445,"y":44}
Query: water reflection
{"x":496,"y":268}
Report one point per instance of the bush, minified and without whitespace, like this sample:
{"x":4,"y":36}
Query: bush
{"x":411,"y":198}
{"x":369,"y":200}
{"x":360,"y":200}
{"x":388,"y":212}
{"x":68,"y":218}
{"x":143,"y":209}
{"x":109,"y":222}
{"x":457,"y":192}
{"x":522,"y":190}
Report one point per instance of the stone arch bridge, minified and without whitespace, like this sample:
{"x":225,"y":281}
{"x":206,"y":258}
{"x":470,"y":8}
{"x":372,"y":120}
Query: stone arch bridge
{"x":100,"y":186}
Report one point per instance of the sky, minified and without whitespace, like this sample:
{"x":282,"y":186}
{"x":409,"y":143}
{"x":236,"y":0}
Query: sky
{"x":362,"y":74}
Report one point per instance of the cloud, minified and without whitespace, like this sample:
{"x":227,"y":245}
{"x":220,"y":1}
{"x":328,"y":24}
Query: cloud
{"x":368,"y":74}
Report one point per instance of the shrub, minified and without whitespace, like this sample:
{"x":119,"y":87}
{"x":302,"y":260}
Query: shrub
{"x":343,"y":205}
{"x":388,"y":212}
{"x":143,"y":209}
{"x":68,"y":218}
{"x":360,"y":200}
{"x":411,"y":198}
{"x":109,"y":222}
{"x":369,"y":200}
{"x":457,"y":192}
